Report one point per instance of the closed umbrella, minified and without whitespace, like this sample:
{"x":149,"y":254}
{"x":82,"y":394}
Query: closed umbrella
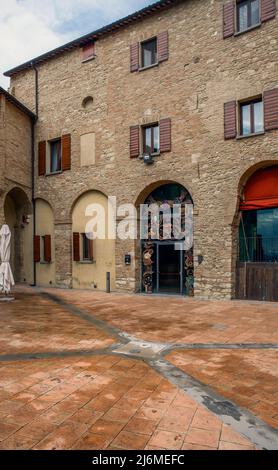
{"x":6,"y":275}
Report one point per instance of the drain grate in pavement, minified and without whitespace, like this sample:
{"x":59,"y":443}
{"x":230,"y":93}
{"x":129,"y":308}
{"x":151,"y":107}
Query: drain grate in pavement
{"x":142,"y":349}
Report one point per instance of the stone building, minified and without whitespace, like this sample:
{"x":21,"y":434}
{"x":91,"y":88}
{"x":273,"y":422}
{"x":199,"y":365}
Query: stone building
{"x":16,"y":122}
{"x":190,"y":85}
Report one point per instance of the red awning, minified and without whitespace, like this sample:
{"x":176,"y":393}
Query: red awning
{"x":261,"y":191}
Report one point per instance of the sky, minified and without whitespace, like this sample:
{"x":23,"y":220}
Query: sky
{"x":29,"y":28}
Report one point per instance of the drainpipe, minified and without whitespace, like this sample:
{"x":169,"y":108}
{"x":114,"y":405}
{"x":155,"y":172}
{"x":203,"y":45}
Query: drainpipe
{"x":33,"y":162}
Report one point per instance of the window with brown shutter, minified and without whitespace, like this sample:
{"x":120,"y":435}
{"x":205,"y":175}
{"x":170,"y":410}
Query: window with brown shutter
{"x":268,"y":10}
{"x":88,"y":52}
{"x":134,"y":57}
{"x":165,"y":135}
{"x":162,"y":46}
{"x":230,"y":128}
{"x":271,"y":109}
{"x":47,"y":248}
{"x":228,"y":20}
{"x":134,"y":142}
{"x":76,"y":246}
{"x":42,"y":158}
{"x":37,"y":248}
{"x":66,"y":152}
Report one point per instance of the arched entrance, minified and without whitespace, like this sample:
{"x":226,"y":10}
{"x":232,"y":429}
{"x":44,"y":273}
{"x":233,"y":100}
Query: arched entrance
{"x":167,"y":264}
{"x":18,"y":216}
{"x":257,"y":277}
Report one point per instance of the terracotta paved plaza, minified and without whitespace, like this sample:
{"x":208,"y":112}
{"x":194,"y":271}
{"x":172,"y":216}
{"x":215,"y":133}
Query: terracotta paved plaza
{"x":77,"y":393}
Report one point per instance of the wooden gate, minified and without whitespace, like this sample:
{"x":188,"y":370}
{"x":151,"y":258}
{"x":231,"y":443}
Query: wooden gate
{"x":257,"y":281}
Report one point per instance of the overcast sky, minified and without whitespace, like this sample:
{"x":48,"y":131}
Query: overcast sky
{"x":29,"y":28}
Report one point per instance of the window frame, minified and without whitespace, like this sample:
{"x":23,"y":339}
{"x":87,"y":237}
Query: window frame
{"x":86,"y":247}
{"x":42,"y":250}
{"x":250,"y":102}
{"x":152,"y":127}
{"x":51,"y":143}
{"x":142,"y":65}
{"x":249,"y":16}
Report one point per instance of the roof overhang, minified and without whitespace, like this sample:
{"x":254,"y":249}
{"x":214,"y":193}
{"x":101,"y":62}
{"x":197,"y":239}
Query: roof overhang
{"x":17,"y":103}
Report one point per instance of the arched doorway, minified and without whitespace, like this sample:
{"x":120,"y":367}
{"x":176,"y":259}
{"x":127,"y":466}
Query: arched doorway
{"x":18,"y":216}
{"x":167,"y":264}
{"x":257,"y":277}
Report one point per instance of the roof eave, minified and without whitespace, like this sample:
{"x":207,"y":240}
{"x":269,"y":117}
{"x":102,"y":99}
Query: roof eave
{"x":18,"y":104}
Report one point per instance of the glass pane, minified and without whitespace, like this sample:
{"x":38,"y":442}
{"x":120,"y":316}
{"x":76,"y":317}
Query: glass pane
{"x":149,"y":53}
{"x":55,"y":157}
{"x":85,"y":247}
{"x":259,"y":238}
{"x":148,"y":140}
{"x":258,"y":117}
{"x":255,"y":12}
{"x":156,"y":139}
{"x":246,"y":119}
{"x":242,"y":16}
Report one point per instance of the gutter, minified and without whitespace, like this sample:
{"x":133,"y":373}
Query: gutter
{"x":34,"y":121}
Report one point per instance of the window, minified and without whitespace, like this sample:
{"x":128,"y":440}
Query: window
{"x":87,"y":248}
{"x":248,"y":14}
{"x":55,"y":156}
{"x":251,"y":117}
{"x":149,"y":53}
{"x":151,"y":139}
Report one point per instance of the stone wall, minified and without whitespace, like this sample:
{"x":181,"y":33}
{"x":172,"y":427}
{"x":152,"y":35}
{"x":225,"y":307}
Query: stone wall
{"x":202,"y":73}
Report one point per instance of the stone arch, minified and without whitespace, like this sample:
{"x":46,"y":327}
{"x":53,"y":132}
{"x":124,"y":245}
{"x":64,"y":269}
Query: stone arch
{"x":45,"y":225}
{"x":245,"y":177}
{"x":98,"y":257}
{"x":83,"y":193}
{"x":18,"y":214}
{"x":143,"y":194}
{"x":172,"y":190}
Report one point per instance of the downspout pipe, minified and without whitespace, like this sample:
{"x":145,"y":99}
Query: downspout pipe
{"x":33,"y":162}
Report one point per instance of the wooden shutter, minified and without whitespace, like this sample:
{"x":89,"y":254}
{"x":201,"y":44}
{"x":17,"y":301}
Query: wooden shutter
{"x":162,"y":46}
{"x":88,"y":51}
{"x":271,"y":109}
{"x":134,"y":141}
{"x":230,"y":129}
{"x":134,"y":57}
{"x":76,"y":246}
{"x":37,"y":248}
{"x":66,"y":152}
{"x":47,"y":248}
{"x":268,"y":10}
{"x":42,"y":158}
{"x":228,"y":19}
{"x":165,"y":135}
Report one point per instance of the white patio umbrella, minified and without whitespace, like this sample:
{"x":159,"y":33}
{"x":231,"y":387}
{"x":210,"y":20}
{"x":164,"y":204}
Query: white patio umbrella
{"x":6,"y":275}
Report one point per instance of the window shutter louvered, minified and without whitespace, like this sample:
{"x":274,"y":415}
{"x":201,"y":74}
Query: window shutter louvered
{"x":268,"y":10}
{"x":47,"y":248}
{"x":165,"y":135}
{"x":134,"y":57}
{"x":66,"y":152}
{"x":163,"y":46}
{"x":228,"y":20}
{"x":76,"y":246}
{"x":271,"y":109}
{"x":134,"y":141}
{"x":230,"y":129}
{"x":42,"y":158}
{"x":37,"y":248}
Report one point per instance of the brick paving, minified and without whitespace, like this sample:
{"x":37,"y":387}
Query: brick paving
{"x":104,"y":401}
{"x":35,"y":324}
{"x":249,"y":378}
{"x":181,"y":320}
